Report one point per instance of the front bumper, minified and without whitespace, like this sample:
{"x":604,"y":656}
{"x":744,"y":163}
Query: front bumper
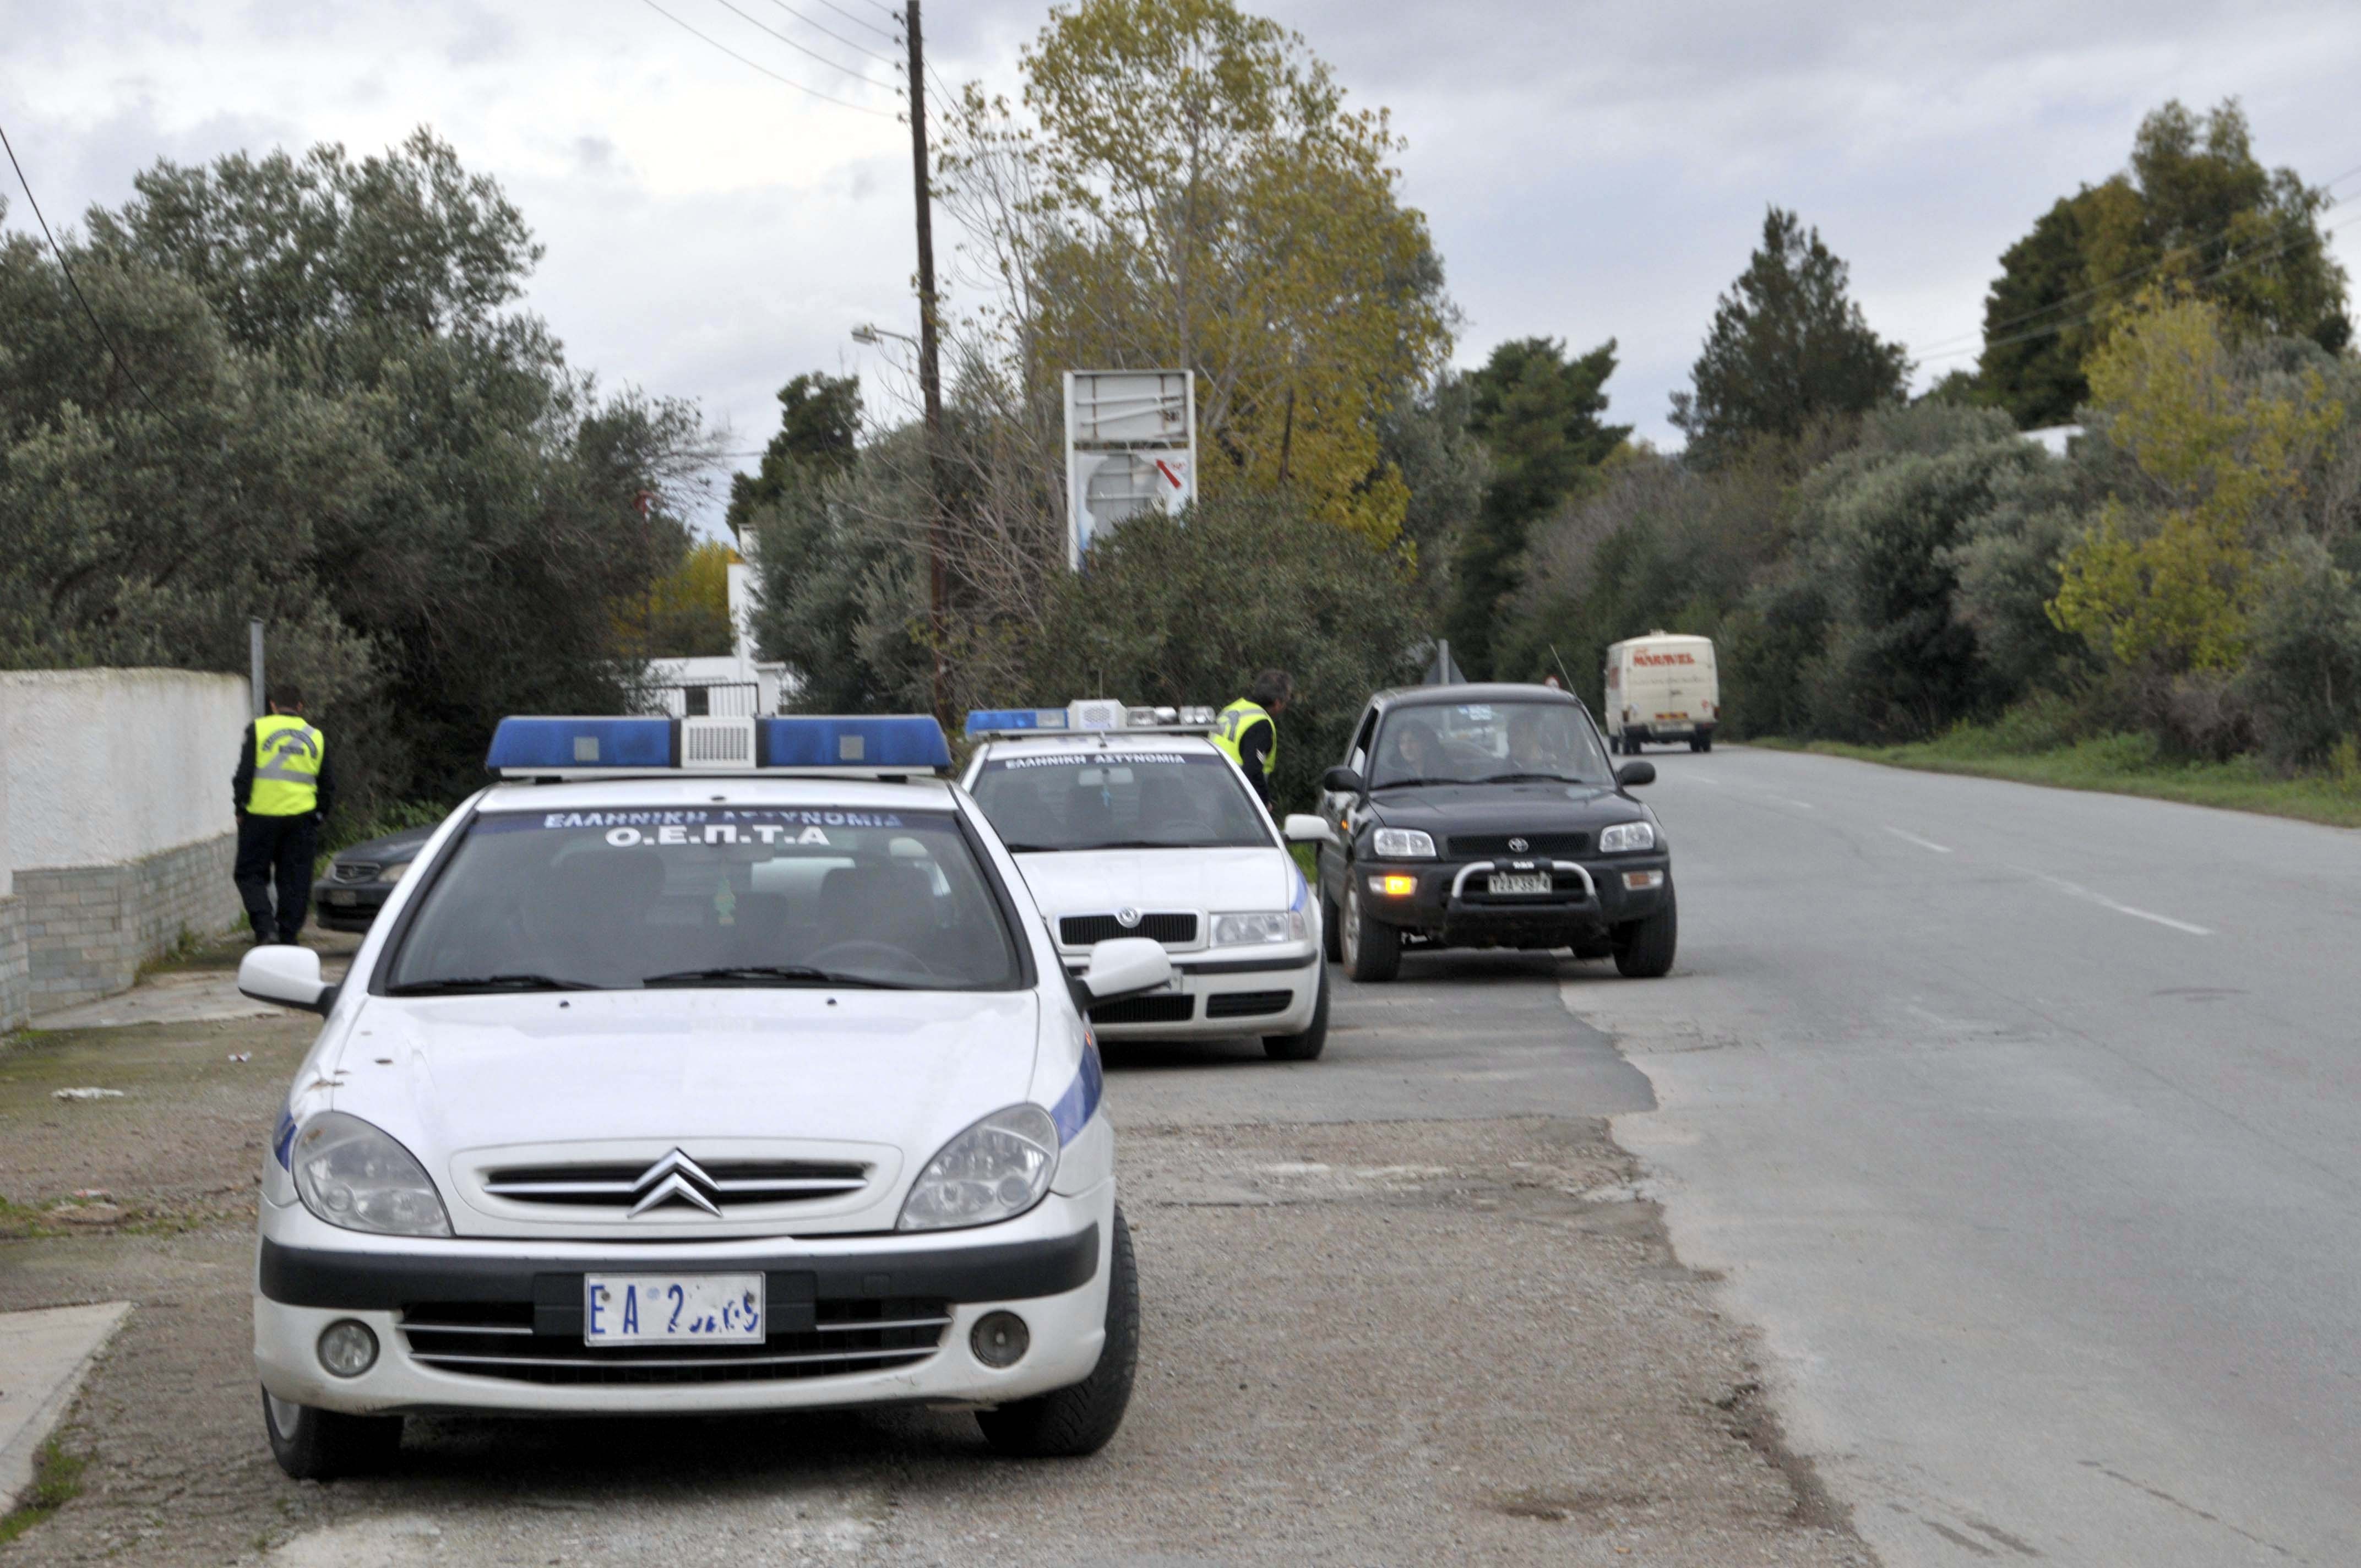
{"x":1451,"y":903}
{"x":523,"y":1351}
{"x":1217,"y":994}
{"x":347,"y":905}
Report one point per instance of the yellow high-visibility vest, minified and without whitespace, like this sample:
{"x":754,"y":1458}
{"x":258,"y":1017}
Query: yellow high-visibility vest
{"x":287,"y":757}
{"x":1235,"y":720}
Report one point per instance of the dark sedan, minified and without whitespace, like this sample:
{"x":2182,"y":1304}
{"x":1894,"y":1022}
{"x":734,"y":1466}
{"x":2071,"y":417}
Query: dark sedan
{"x":1491,"y":817}
{"x":361,"y":875}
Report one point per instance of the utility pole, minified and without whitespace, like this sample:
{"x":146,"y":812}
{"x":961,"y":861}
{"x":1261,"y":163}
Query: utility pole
{"x":930,"y":376}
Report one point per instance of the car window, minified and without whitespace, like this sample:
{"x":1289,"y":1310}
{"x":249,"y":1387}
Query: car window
{"x":1477,"y":742}
{"x":1358,"y":759}
{"x":1098,"y":800}
{"x":620,"y":899}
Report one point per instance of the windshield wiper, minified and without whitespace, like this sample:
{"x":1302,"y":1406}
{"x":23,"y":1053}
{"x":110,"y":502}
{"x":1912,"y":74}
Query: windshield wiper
{"x":1412,"y":783}
{"x":487,"y":983}
{"x":1528,"y":778}
{"x":766,"y":974}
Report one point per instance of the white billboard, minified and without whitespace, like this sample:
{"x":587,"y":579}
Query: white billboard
{"x":1131,"y":443}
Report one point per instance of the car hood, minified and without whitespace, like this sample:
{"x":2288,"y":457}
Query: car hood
{"x":401,"y":846}
{"x":1098,"y":881}
{"x":1503,"y":809}
{"x":877,"y":1079}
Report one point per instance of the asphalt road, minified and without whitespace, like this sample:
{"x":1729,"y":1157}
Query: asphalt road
{"x":2027,"y":1125}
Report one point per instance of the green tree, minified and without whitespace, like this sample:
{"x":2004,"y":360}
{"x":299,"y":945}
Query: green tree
{"x":1538,"y":414}
{"x":820,"y":434}
{"x":1788,"y":347}
{"x":1192,"y":191}
{"x":2032,"y":361}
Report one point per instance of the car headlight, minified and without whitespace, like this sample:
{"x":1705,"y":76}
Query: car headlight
{"x":393,"y":872}
{"x":1628,"y":836}
{"x":1402,"y":844}
{"x":354,"y":1176}
{"x":1280,"y":926}
{"x":996,"y":1171}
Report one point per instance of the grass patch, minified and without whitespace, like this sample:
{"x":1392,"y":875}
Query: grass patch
{"x":57,"y":1481}
{"x":2013,"y":748}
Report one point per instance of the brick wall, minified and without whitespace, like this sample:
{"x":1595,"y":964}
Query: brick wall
{"x":15,"y":977}
{"x":87,"y":929}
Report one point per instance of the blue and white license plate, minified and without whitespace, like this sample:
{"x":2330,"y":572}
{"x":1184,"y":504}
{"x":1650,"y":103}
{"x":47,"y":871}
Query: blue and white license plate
{"x":671,"y":1309}
{"x":1508,"y":882}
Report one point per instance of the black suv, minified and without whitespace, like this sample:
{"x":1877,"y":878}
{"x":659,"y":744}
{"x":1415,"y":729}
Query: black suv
{"x":361,"y":878}
{"x":1490,"y":816}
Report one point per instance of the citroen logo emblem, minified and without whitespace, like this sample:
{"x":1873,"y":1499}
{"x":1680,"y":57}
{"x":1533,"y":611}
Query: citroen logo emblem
{"x":1126,"y":918}
{"x":1518,"y":845}
{"x":675,"y":1179}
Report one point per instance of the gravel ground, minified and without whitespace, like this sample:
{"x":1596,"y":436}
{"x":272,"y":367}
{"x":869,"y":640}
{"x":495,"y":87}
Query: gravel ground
{"x":1374,"y":1341}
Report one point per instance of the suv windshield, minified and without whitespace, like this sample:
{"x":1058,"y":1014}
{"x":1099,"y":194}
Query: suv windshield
{"x":1103,"y":800}
{"x":1488,"y":742}
{"x":712,"y":895}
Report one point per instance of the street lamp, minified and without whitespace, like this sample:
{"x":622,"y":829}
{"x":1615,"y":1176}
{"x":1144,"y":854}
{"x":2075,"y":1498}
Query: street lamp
{"x":875,"y":335}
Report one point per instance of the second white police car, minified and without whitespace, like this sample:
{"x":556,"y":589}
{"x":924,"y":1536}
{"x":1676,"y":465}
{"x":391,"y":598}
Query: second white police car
{"x":701,"y":1065}
{"x":1129,"y":822}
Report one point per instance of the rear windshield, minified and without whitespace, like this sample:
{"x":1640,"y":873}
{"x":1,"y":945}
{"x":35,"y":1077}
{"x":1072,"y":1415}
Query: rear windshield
{"x":1111,"y":800}
{"x":1488,"y":742}
{"x":618,"y":900}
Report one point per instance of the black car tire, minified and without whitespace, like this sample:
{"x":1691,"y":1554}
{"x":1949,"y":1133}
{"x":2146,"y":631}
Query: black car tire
{"x":1696,"y":742}
{"x":1372,"y":947}
{"x":1307,"y":1045}
{"x":1332,"y":932}
{"x":325,"y":1445}
{"x":1070,"y":1422}
{"x":1643,"y":949}
{"x":1704,"y":743}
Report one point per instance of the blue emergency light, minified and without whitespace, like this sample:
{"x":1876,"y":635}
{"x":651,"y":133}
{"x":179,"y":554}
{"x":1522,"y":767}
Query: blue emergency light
{"x":573,"y":747}
{"x":1092,"y":716}
{"x":986,"y":720}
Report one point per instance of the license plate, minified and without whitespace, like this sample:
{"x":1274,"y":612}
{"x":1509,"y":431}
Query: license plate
{"x":343,"y":897}
{"x":666,"y":1309}
{"x":1505,"y":882}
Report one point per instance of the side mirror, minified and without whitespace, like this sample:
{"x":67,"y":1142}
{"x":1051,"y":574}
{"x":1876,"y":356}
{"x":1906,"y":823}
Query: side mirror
{"x":1631,"y":773}
{"x":289,"y":976}
{"x":1126,"y":966}
{"x":1302,"y":827}
{"x":1343,"y":781}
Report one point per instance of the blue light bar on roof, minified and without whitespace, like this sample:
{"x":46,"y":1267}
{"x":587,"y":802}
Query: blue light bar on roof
{"x":887,"y":741}
{"x":529,"y":745}
{"x":988,"y":721}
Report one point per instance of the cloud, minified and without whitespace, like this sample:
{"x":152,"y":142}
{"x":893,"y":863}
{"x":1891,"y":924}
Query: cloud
{"x":1591,"y":169}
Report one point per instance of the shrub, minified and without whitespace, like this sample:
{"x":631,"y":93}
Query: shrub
{"x":2304,"y":676}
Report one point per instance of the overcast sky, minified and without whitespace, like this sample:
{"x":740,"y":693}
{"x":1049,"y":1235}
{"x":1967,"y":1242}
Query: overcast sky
{"x":1590,"y":170}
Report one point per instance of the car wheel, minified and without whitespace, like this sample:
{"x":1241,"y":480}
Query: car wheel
{"x":1372,"y":947}
{"x":322,"y":1445}
{"x":1070,"y":1422}
{"x":1332,"y":932}
{"x":1697,"y":743}
{"x":1307,"y":1045}
{"x":1705,"y":743}
{"x":1643,"y":949}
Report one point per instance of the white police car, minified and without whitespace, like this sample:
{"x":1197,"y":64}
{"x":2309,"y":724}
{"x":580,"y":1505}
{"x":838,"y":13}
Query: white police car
{"x":1129,"y":822}
{"x":716,"y":1064}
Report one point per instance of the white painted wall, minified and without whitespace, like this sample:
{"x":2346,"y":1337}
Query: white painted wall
{"x":105,"y":766}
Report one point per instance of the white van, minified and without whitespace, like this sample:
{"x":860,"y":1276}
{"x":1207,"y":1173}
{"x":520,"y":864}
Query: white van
{"x":1661,"y":687}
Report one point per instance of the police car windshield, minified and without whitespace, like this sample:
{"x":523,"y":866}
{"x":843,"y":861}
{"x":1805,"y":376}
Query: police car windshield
{"x":1118,"y":799}
{"x":707,"y":896}
{"x":1487,"y":742}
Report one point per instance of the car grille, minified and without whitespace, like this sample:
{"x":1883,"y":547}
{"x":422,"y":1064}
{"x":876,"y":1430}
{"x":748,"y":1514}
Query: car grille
{"x":1247,"y":1003}
{"x":1538,"y":846}
{"x":354,"y":870}
{"x":616,"y":1185}
{"x":499,"y":1340}
{"x":1145,"y":1010}
{"x":1082,"y":930}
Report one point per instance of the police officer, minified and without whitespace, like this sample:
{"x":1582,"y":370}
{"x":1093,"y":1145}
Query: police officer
{"x":1248,"y":729}
{"x":282,"y":789}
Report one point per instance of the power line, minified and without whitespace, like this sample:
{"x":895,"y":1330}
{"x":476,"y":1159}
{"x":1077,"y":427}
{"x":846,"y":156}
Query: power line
{"x":802,"y":48}
{"x":2097,"y":288}
{"x":830,"y":32}
{"x":65,"y":267}
{"x":2224,"y":270}
{"x":858,"y":21}
{"x":788,"y":81}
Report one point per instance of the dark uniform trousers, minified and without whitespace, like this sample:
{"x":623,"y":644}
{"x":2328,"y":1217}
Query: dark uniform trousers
{"x":281,"y":849}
